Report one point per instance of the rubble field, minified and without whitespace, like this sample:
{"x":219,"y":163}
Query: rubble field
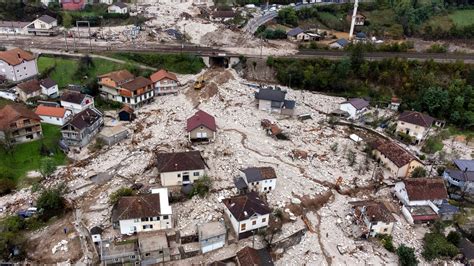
{"x":241,"y":142}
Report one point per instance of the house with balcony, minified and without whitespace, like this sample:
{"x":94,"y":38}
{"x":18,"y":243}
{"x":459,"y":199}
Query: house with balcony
{"x":415,"y":124}
{"x":180,"y":168}
{"x":164,"y":82}
{"x":461,"y":175}
{"x":398,"y":161}
{"x":17,"y":65}
{"x":76,"y":101}
{"x":421,"y":198}
{"x":82,"y":127}
{"x":259,"y":179}
{"x":143,"y":213}
{"x":372,"y":217}
{"x":28,"y":89}
{"x":44,"y":25}
{"x":121,"y":86}
{"x":18,"y":124}
{"x":247,"y":214}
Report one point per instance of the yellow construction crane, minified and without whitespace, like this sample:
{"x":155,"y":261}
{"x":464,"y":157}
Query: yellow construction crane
{"x":199,"y":83}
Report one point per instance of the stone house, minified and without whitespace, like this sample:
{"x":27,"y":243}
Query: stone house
{"x":373,"y":218}
{"x":164,"y":82}
{"x":274,"y":101}
{"x":355,"y":107}
{"x":247,"y":214}
{"x":212,"y":236}
{"x":415,"y":124}
{"x":259,"y":179}
{"x":82,"y":127}
{"x":28,"y":89}
{"x":180,"y":168}
{"x":201,"y":127}
{"x":76,"y":101}
{"x":19,"y":124}
{"x":143,"y":213}
{"x":17,"y":65}
{"x":394,"y":158}
{"x":421,"y":198}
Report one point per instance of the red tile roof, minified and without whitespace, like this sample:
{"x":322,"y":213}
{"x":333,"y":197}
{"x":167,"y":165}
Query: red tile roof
{"x":162,"y":74}
{"x":201,"y":118}
{"x":416,"y":118}
{"x":50,"y":111}
{"x":393,"y":152}
{"x":12,"y":112}
{"x":16,"y":56}
{"x":425,"y":189}
{"x":137,"y":83}
{"x":29,"y":86}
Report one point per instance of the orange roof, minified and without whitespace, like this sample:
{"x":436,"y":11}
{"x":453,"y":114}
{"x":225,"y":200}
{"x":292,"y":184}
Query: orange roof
{"x":16,"y":56}
{"x":50,"y":111}
{"x":12,"y":112}
{"x":161,"y":74}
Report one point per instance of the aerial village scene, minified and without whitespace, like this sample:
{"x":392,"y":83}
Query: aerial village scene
{"x":244,"y":132}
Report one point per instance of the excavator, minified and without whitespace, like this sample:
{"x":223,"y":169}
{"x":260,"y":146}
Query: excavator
{"x":199,"y":83}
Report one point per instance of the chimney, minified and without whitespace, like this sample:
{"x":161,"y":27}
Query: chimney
{"x":19,"y":56}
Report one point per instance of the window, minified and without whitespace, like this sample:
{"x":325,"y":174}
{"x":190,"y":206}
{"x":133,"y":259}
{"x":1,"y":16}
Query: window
{"x":165,"y":217}
{"x":147,"y":254}
{"x":145,"y":219}
{"x":179,"y":175}
{"x":136,"y":220}
{"x":242,"y":227}
{"x":264,"y":220}
{"x":254,"y":222}
{"x":148,"y":226}
{"x":385,"y":229}
{"x":132,"y":256}
{"x":196,"y":174}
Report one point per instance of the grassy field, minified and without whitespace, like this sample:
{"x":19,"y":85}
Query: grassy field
{"x":65,"y":69}
{"x":442,"y":22}
{"x":462,"y":18}
{"x":26,"y":156}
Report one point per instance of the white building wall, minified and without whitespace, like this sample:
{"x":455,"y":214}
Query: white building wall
{"x":260,"y":221}
{"x":265,"y":105}
{"x":59,"y":121}
{"x":176,"y":178}
{"x":381,"y":228}
{"x":349,"y":108}
{"x":233,"y":221}
{"x":19,"y":72}
{"x":136,"y":225}
{"x":50,"y":91}
{"x":77,"y":108}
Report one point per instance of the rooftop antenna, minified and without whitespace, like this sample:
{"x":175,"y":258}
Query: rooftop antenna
{"x":353,"y":20}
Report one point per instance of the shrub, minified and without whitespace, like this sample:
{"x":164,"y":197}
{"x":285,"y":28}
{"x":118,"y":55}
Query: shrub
{"x":405,"y":138}
{"x":437,"y":48}
{"x":432,"y":145}
{"x":406,"y":256}
{"x":437,"y":246}
{"x":334,"y":147}
{"x":201,"y":187}
{"x":418,"y":172}
{"x":47,"y":167}
{"x":51,"y":202}
{"x":387,"y":242}
{"x":6,"y":186}
{"x":454,"y":237}
{"x":121,"y":192}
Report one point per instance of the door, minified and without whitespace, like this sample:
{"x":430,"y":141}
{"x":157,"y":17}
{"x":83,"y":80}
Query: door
{"x":186,"y":178}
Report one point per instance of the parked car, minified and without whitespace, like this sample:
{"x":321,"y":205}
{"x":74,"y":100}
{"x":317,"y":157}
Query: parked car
{"x":28,"y":212}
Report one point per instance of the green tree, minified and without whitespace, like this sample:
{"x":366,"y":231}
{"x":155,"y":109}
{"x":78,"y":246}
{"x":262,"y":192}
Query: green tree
{"x":418,"y":172}
{"x":437,"y":246}
{"x":47,"y":167}
{"x":357,"y":56}
{"x":6,"y":186}
{"x":121,"y":192}
{"x":287,"y":16}
{"x":406,"y":256}
{"x":454,"y":237}
{"x":201,"y":187}
{"x":51,"y":202}
{"x":67,"y":20}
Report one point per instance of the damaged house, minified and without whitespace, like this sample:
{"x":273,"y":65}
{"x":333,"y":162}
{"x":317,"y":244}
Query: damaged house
{"x":461,"y":175}
{"x":180,"y":168}
{"x":142,"y":213}
{"x":259,"y":179}
{"x":421,"y":198}
{"x":273,"y":101}
{"x":201,"y":127}
{"x":247,"y":214}
{"x":80,"y":130}
{"x":372,"y":217}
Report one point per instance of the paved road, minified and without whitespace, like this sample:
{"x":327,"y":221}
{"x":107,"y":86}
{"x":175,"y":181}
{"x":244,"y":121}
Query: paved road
{"x":55,"y":45}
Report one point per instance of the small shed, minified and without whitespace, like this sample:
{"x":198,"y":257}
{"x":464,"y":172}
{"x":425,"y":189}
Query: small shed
{"x":212,"y":236}
{"x":96,"y":234}
{"x":112,"y":135}
{"x":126,"y":114}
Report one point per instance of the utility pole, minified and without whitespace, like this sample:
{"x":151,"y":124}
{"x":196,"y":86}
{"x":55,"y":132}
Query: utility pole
{"x":65,"y":40}
{"x":353,"y":20}
{"x":261,"y":46}
{"x":289,"y":82}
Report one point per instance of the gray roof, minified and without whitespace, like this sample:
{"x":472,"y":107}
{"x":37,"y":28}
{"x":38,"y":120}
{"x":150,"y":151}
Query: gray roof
{"x":120,"y":4}
{"x":342,"y":42}
{"x":461,"y":175}
{"x":240,"y":183}
{"x":465,"y":164}
{"x":361,"y":35}
{"x":255,"y":174}
{"x":289,"y":104}
{"x":212,"y":229}
{"x":295,"y":31}
{"x":447,"y":208}
{"x":47,"y":19}
{"x":13,"y":24}
{"x":96,"y":230}
{"x":271,"y":95}
{"x":358,"y":103}
{"x":47,"y":83}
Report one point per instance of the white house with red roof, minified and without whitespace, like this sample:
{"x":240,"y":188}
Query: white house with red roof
{"x":164,"y":82}
{"x":201,"y":127}
{"x":53,"y":115}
